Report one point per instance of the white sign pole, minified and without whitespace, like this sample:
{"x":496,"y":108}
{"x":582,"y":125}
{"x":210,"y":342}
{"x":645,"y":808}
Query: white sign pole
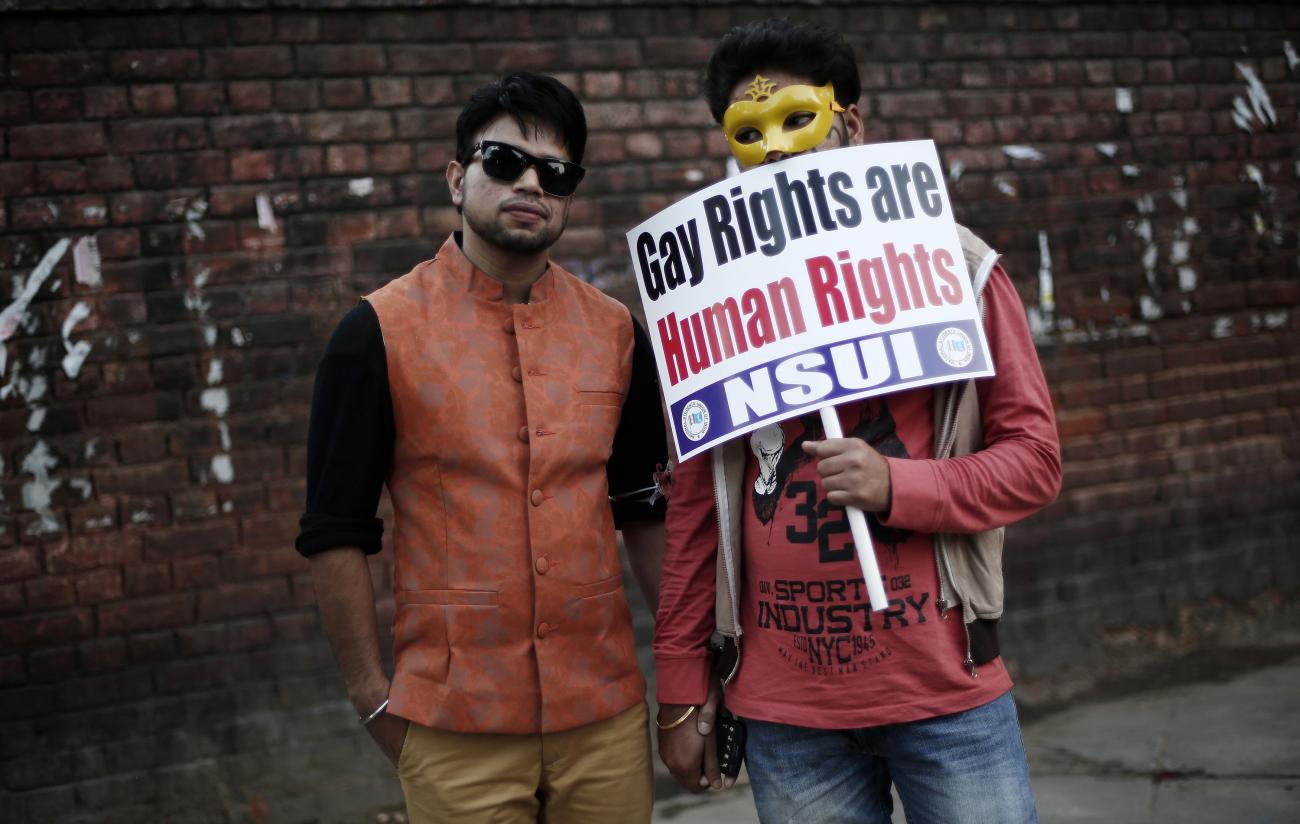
{"x":858,"y":526}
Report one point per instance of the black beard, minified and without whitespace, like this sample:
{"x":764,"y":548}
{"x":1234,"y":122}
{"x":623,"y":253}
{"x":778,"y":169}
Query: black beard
{"x":503,"y":238}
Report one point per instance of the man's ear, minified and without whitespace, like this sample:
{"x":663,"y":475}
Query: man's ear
{"x":456,"y":183}
{"x":855,"y":131}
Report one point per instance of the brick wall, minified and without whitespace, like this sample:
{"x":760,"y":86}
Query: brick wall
{"x":159,"y":654}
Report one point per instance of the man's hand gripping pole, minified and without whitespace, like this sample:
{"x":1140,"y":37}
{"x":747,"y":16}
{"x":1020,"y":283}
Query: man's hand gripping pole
{"x":858,"y":527}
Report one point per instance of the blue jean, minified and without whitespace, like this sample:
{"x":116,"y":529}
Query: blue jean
{"x":966,"y":767}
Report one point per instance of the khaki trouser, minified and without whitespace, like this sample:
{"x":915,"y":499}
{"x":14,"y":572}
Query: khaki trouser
{"x":595,"y":773}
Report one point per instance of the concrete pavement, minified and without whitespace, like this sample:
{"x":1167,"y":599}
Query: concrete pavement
{"x":1200,"y":753}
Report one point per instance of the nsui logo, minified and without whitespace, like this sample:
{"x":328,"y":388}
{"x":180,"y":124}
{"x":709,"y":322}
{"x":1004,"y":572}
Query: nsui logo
{"x":955,"y":347}
{"x":695,"y":420}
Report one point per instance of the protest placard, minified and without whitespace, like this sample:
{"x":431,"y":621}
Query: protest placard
{"x":822,"y":279}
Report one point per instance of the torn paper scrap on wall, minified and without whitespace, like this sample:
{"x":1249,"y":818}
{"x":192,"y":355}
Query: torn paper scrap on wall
{"x":86,"y":262}
{"x":1256,"y":107}
{"x":15,"y":314}
{"x":38,"y":492}
{"x":265,"y":214}
{"x":75,"y":353}
{"x":1022,"y":153}
{"x":1046,"y":290}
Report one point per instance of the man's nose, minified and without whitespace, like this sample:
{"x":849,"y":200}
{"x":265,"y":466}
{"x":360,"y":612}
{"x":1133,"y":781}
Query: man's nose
{"x":528,"y":181}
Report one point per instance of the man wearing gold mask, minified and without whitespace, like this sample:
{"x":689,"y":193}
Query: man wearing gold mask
{"x":838,"y":703}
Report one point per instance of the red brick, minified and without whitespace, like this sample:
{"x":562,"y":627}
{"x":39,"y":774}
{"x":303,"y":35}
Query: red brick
{"x":59,"y":176}
{"x":144,"y":481}
{"x":1195,"y":407}
{"x":94,"y":517}
{"x":48,"y":593}
{"x":154,"y":612}
{"x":180,"y":169}
{"x":99,"y":585}
{"x":341,"y":60}
{"x":56,"y":104}
{"x":252,"y":28}
{"x":1070,"y":423}
{"x":195,"y":573}
{"x":102,"y":654}
{"x":390,"y":157}
{"x":107,"y":173}
{"x":115,"y":411}
{"x":18,"y":564}
{"x":255,"y":129}
{"x":153,"y":647}
{"x":268,"y":595}
{"x":540,"y":56}
{"x":56,"y":140}
{"x":133,"y":136}
{"x":196,"y":539}
{"x":87,"y":552}
{"x":46,"y":665}
{"x":413,"y":59}
{"x":349,"y":126}
{"x":100,"y":690}
{"x":261,"y":464}
{"x":155,"y":64}
{"x":298,"y":625}
{"x":249,"y":634}
{"x":12,"y":671}
{"x":11,"y":596}
{"x":1273,"y":293}
{"x":15,"y":108}
{"x":201,"y":98}
{"x":203,"y":673}
{"x":286,"y":496}
{"x":248,"y":62}
{"x":249,"y":96}
{"x":351,"y":229}
{"x":390,"y":91}
{"x":434,"y":91}
{"x":56,"y":69}
{"x":59,"y":212}
{"x":147,"y":579}
{"x":252,"y":164}
{"x":42,"y":629}
{"x":645,"y":145}
{"x":154,"y":99}
{"x":347,"y":159}
{"x":343,"y":94}
{"x":193,"y":505}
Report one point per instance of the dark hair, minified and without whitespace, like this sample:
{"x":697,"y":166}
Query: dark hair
{"x":807,"y":50}
{"x":535,"y":101}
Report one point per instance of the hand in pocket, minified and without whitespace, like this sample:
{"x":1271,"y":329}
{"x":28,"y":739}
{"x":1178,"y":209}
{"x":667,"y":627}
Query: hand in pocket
{"x":389,"y":732}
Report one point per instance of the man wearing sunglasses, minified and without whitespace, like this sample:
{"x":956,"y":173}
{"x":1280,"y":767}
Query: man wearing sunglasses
{"x":513,"y":413}
{"x":838,"y":703}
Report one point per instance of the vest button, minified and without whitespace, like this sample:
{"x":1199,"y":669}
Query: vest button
{"x":523,"y":436}
{"x":509,"y":326}
{"x":517,"y":374}
{"x":543,"y":629}
{"x":542,"y":565}
{"x":537,"y":496}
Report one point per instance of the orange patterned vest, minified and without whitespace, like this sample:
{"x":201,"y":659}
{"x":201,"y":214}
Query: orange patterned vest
{"x":510,"y":610}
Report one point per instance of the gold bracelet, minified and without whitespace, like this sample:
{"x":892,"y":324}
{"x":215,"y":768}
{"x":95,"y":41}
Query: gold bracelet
{"x":689,"y":712}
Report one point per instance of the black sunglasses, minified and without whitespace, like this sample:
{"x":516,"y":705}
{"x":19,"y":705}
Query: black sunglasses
{"x":505,"y":162}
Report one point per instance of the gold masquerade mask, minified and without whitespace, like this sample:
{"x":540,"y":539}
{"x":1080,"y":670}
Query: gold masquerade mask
{"x":793,"y":120}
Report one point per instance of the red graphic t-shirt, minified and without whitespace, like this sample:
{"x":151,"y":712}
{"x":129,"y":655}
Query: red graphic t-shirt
{"x":814,"y":653}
